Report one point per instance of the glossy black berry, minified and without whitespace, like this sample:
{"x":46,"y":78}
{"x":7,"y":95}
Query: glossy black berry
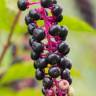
{"x":46,"y":3}
{"x":39,"y":74}
{"x":64,"y":48}
{"x":53,"y":59}
{"x":31,"y":40}
{"x":64,"y":32}
{"x":34,"y":14}
{"x":57,"y":10}
{"x":47,"y":82}
{"x":54,"y":72}
{"x":69,"y":80}
{"x":65,"y":74}
{"x":43,"y":90}
{"x":39,"y":34}
{"x":54,"y":1}
{"x":41,"y":63}
{"x":54,"y":30}
{"x":31,"y":27}
{"x":28,"y":20}
{"x":35,"y":65}
{"x":59,"y":18}
{"x":65,"y":63}
{"x":37,"y":47}
{"x":22,"y":5}
{"x":34,"y":55}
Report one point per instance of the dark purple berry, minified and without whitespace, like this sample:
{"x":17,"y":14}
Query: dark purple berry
{"x":31,"y":27}
{"x":59,"y":18}
{"x":65,"y":63}
{"x":64,"y":48}
{"x":53,"y":59}
{"x":34,"y":55}
{"x":69,"y":80}
{"x":28,"y":20}
{"x":39,"y":74}
{"x":54,"y":1}
{"x":37,"y":47}
{"x":54,"y":30}
{"x":46,"y":3}
{"x":41,"y":63}
{"x":31,"y":40}
{"x":34,"y":14}
{"x":35,"y":65}
{"x":39,"y":34}
{"x":22,"y":5}
{"x":43,"y":90}
{"x":64,"y":32}
{"x":57,"y":10}
{"x":54,"y":72}
{"x":47,"y":82}
{"x":65,"y":74}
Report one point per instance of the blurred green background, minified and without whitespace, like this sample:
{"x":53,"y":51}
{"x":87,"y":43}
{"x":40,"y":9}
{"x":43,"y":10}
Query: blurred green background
{"x":14,"y":78}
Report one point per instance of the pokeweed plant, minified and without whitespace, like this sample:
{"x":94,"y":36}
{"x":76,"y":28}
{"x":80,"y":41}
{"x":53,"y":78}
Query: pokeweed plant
{"x":49,"y":47}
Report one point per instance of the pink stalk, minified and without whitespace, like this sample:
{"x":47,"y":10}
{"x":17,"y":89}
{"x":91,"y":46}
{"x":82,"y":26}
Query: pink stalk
{"x":31,"y":3}
{"x":47,"y":25}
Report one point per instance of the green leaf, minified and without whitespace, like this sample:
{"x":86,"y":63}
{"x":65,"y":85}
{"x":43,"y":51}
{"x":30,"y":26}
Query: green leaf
{"x":18,"y":71}
{"x":6,"y":92}
{"x":75,"y":24}
{"x":82,"y":54}
{"x":6,"y":16}
{"x":30,"y":92}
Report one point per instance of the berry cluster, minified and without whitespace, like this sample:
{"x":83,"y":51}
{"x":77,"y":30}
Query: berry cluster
{"x":49,"y":49}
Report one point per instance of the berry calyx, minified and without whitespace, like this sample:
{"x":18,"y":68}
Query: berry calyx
{"x":63,"y":85}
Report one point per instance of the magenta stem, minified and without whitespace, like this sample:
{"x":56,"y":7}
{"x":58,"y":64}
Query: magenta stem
{"x":47,"y":25}
{"x":56,"y":83}
{"x":32,"y":3}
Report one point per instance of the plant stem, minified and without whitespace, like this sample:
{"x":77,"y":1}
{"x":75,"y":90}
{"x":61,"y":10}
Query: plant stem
{"x":15,"y":21}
